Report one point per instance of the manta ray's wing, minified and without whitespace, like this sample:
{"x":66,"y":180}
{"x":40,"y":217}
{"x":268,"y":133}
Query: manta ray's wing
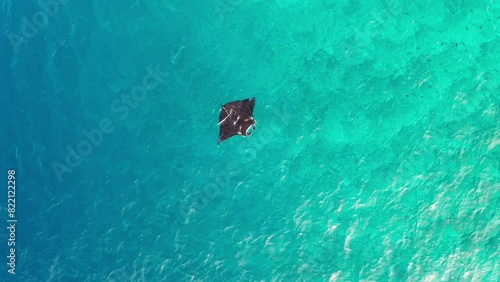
{"x":236,"y":118}
{"x":226,"y":130}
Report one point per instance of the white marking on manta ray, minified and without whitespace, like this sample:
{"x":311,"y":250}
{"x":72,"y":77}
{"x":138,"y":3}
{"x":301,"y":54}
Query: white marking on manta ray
{"x":228,"y":115}
{"x":237,"y":119}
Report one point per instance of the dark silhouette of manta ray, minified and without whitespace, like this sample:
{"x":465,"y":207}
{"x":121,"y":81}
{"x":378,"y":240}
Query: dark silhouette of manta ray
{"x":236,"y":118}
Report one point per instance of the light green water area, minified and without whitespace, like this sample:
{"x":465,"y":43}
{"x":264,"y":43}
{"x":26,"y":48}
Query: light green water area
{"x":378,"y":148}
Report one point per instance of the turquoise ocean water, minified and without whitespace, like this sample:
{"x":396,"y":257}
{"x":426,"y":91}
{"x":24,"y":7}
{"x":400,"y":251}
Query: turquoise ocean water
{"x":376,"y":157}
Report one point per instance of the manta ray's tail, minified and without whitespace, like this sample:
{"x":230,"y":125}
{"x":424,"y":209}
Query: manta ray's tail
{"x":220,"y":104}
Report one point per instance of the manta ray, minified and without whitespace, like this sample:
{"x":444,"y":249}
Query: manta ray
{"x":236,"y":118}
